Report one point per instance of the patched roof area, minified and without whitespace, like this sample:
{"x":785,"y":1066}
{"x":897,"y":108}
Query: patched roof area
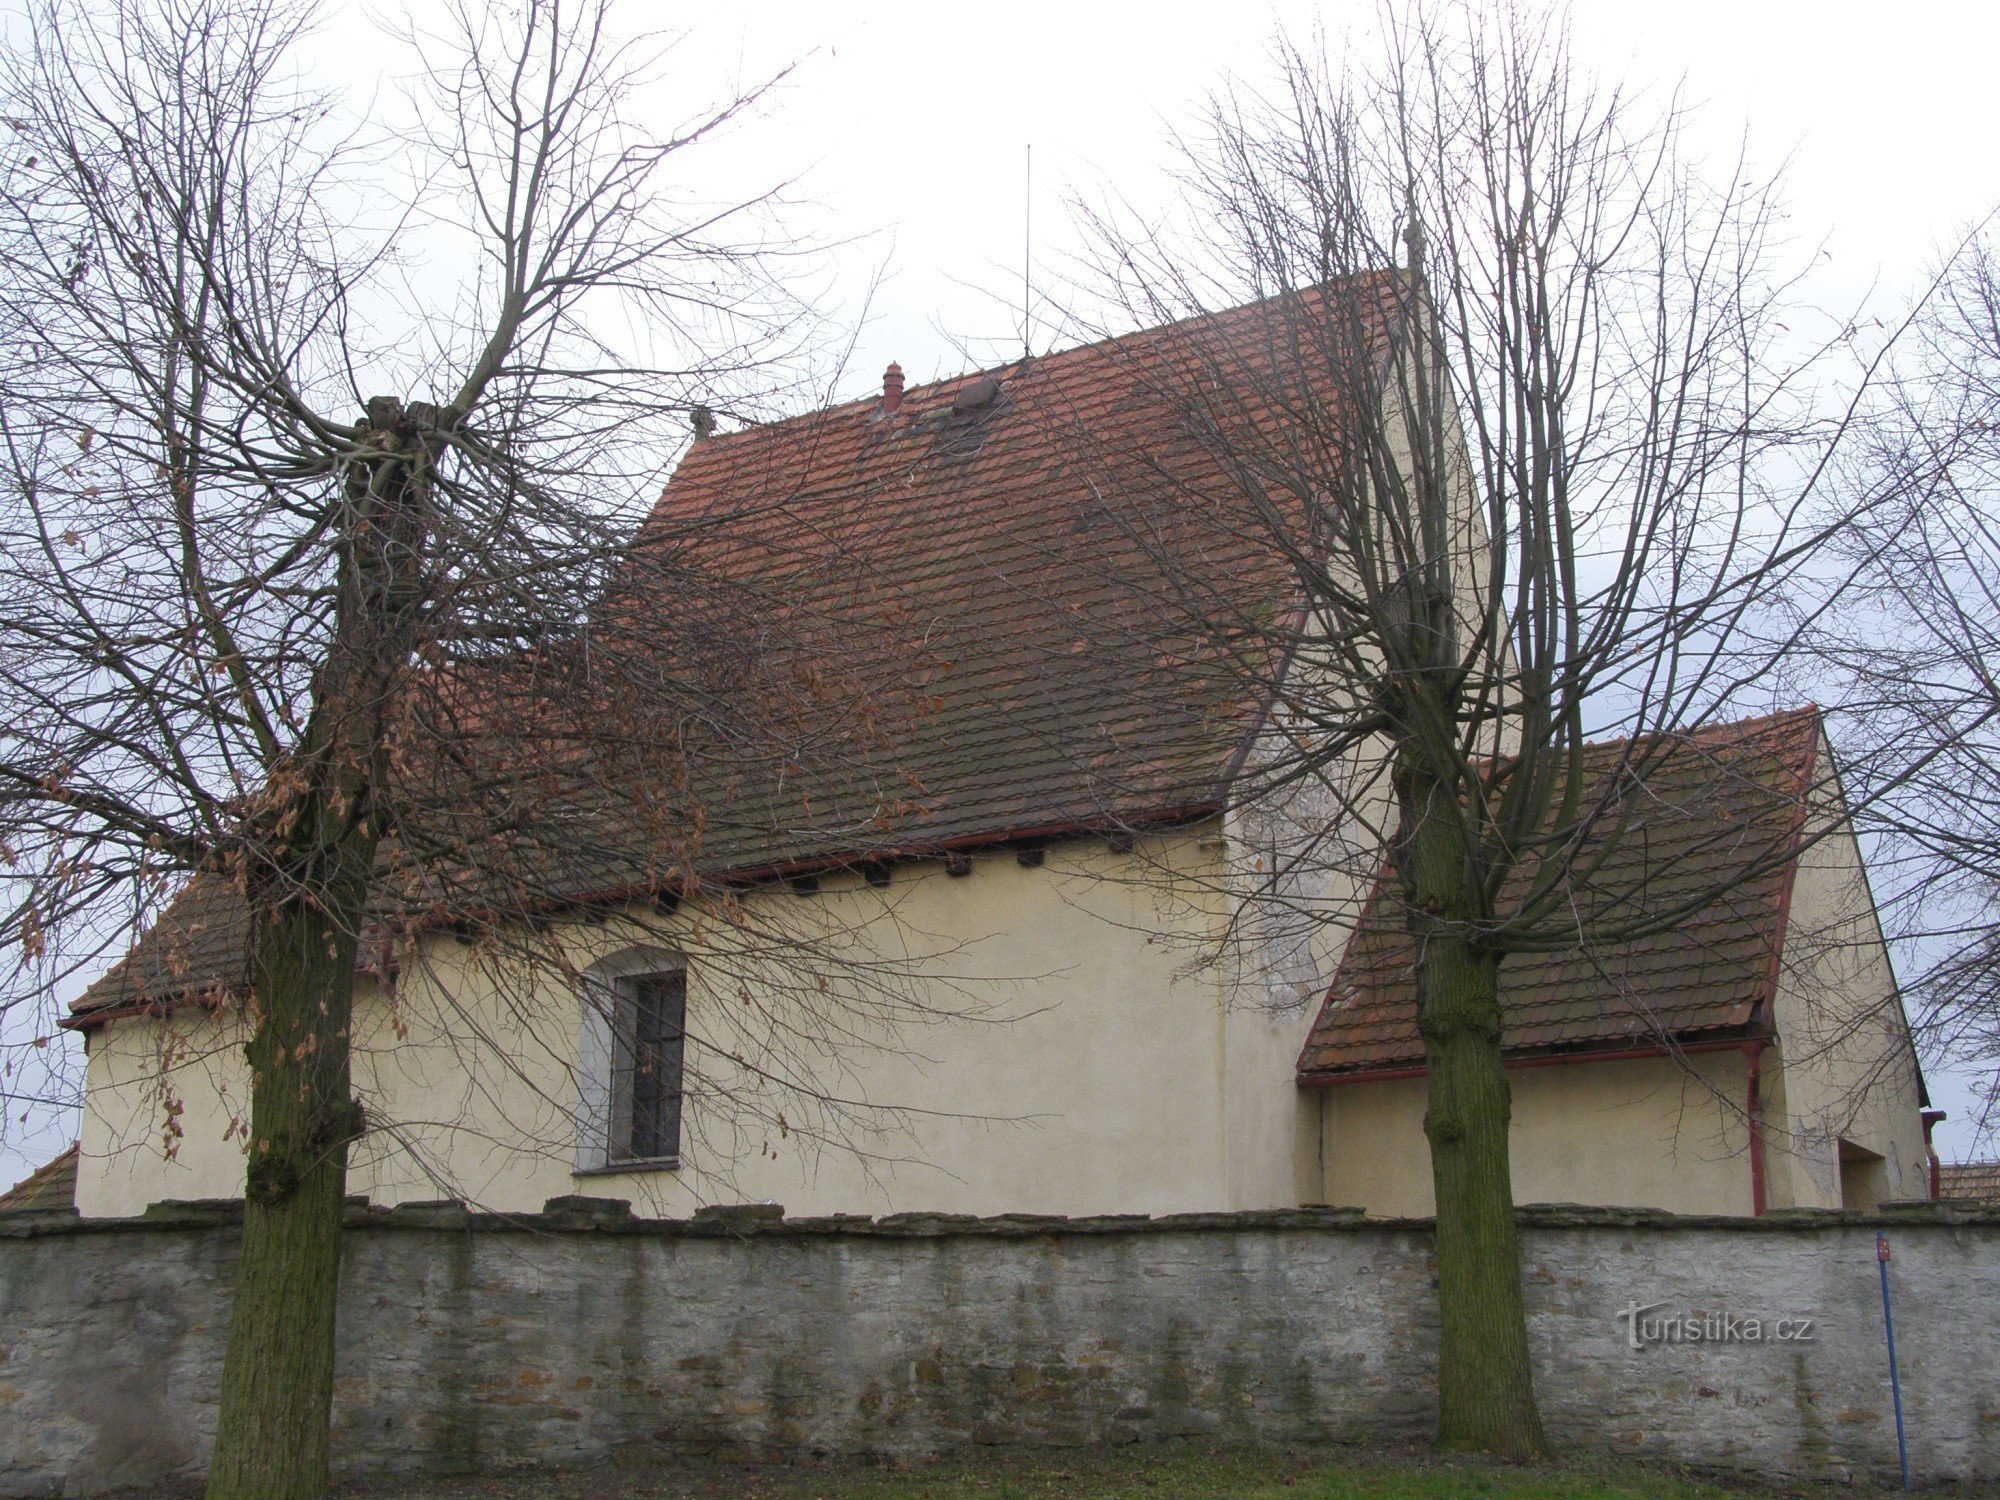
{"x":50,"y":1187}
{"x":1969,"y":1179}
{"x":1719,"y":810}
{"x":970,"y":635}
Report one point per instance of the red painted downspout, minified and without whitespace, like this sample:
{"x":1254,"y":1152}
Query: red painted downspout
{"x":1754,"y":1051}
{"x":1930,"y":1117}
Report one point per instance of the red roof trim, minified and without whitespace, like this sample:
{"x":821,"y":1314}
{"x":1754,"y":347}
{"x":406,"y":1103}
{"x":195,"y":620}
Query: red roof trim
{"x":1543,"y":1060}
{"x":211,"y":997}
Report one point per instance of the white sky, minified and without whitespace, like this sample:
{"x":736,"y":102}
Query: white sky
{"x":910,"y":122}
{"x":916,"y":118}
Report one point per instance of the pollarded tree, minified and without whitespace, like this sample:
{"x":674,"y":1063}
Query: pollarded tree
{"x":324,"y":461}
{"x":1531,"y":486}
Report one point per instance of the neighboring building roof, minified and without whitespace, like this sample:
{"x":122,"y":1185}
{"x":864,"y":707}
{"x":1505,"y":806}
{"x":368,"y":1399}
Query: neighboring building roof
{"x":1700,"y":806}
{"x":976,"y":592}
{"x":1969,"y":1179}
{"x":199,"y":946}
{"x":51,"y":1186}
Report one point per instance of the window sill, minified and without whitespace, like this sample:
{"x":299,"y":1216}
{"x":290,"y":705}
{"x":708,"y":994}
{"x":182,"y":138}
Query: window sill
{"x":624,"y":1168}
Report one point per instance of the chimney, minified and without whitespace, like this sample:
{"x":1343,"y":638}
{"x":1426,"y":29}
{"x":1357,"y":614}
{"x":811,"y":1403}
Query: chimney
{"x":703,"y":421}
{"x":892,"y":389}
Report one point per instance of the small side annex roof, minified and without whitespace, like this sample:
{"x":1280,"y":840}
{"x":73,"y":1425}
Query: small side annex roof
{"x":1720,"y":809}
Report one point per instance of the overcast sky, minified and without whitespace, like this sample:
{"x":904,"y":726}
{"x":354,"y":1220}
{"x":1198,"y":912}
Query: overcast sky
{"x":910,"y":123}
{"x":915,"y":119}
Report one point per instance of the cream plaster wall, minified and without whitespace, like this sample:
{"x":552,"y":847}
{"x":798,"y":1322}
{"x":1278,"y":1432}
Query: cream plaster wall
{"x":1639,"y":1132}
{"x":1031,"y":1039}
{"x":1845,"y":1065}
{"x":160,"y":1106}
{"x":1299,"y":873}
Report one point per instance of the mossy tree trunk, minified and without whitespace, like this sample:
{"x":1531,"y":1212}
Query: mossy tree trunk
{"x":309,"y":887}
{"x":277,"y":1378}
{"x":1486,"y":1394}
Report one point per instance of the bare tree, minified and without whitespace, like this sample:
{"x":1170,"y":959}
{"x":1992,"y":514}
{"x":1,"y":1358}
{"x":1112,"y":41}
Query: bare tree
{"x":338,"y":668}
{"x":1905,"y":644}
{"x":1519,"y":451}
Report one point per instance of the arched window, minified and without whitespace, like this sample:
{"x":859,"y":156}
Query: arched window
{"x":631,"y":1053}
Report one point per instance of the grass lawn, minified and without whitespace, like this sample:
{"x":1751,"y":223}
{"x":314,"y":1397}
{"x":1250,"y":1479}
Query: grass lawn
{"x":1192,"y":1472}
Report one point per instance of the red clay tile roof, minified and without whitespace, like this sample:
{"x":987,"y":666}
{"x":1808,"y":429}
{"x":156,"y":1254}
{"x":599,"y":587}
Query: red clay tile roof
{"x":198,"y":945}
{"x":1723,"y":798}
{"x":50,"y":1186}
{"x":976,"y":598}
{"x":1969,"y":1179}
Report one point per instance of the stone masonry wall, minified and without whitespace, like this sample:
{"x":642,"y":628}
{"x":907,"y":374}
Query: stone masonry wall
{"x":478,"y":1344}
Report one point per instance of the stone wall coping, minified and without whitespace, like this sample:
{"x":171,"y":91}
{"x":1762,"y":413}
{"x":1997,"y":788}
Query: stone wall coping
{"x":586,"y":1215}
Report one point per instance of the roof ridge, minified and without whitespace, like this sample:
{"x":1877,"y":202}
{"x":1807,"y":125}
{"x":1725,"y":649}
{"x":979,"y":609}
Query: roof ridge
{"x":1026,"y":361}
{"x":1712,"y":730}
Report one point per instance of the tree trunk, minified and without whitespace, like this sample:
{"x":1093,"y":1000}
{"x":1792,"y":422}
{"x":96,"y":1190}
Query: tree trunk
{"x":277,"y":1376}
{"x":308,"y":878}
{"x":1486,"y":1395}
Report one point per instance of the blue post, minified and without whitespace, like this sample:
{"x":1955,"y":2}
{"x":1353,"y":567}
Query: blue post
{"x":1889,"y":1326}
